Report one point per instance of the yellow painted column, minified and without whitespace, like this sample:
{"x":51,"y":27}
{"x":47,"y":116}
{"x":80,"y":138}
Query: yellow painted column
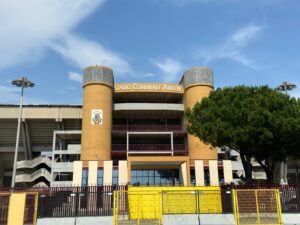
{"x":16,"y":209}
{"x":197,"y":83}
{"x":98,"y":84}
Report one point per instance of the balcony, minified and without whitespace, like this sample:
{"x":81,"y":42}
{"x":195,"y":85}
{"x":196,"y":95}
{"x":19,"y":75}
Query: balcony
{"x":149,"y":149}
{"x":147,"y":127}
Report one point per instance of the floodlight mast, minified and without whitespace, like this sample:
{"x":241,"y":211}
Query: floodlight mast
{"x":21,"y":82}
{"x":285,"y":86}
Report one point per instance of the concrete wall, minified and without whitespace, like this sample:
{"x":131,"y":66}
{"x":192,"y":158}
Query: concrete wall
{"x":205,"y":219}
{"x":99,"y":220}
{"x":209,"y":219}
{"x":291,"y":218}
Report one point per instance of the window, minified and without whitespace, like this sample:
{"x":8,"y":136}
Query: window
{"x":155,"y":177}
{"x":193,"y":177}
{"x":115,"y":176}
{"x":221,"y":176}
{"x":85,"y":174}
{"x":206,"y":177}
{"x":100,"y":177}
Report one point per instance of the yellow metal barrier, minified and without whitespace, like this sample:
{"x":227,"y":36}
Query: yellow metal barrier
{"x":4,"y":205}
{"x":21,"y":209}
{"x":257,"y":206}
{"x":181,"y":200}
{"x":150,"y":203}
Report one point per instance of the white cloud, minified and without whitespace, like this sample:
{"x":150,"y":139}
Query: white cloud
{"x":233,"y":46}
{"x":91,"y":53}
{"x":28,"y":28}
{"x":149,"y":75}
{"x":11,"y":95}
{"x":170,"y":69}
{"x":75,"y":77}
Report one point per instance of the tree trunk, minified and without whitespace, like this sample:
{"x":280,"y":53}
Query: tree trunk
{"x":270,"y":176}
{"x":268,"y":167}
{"x":246,"y":161}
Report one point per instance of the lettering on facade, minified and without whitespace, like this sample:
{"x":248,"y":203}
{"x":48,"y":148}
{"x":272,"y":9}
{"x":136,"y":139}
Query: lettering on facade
{"x":97,"y":116}
{"x":149,"y":87}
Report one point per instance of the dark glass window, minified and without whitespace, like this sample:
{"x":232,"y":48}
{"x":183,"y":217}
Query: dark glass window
{"x":115,"y":176}
{"x":85,"y":176}
{"x":193,"y":177}
{"x":100,"y":177}
{"x":160,"y":177}
{"x":206,"y":177}
{"x":221,"y":176}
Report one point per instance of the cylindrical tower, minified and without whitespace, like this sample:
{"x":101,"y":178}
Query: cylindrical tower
{"x":198,"y":83}
{"x":98,"y":84}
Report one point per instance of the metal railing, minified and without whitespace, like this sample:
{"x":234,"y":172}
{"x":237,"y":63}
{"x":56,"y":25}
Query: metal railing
{"x":149,"y":149}
{"x":257,"y":206}
{"x":98,"y":201}
{"x":77,"y":201}
{"x":146,"y":127}
{"x":289,"y":196}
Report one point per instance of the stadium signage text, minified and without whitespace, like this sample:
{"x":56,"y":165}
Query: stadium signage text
{"x":149,"y":87}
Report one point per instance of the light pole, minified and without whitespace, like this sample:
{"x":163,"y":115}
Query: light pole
{"x":21,"y":82}
{"x":285,"y":86}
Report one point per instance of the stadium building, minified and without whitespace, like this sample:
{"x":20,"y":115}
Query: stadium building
{"x":131,"y":133}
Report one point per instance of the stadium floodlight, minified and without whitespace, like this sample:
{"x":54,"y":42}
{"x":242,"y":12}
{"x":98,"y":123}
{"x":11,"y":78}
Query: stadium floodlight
{"x":21,"y":82}
{"x":286,"y":86}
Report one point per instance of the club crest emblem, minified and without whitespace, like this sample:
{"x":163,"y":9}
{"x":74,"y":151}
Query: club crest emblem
{"x":97,"y":116}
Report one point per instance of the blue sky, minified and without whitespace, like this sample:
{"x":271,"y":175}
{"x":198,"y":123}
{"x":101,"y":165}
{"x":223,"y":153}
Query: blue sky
{"x":253,"y":42}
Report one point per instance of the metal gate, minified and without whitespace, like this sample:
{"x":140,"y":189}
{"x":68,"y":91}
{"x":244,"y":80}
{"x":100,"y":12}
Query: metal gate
{"x":4,"y":203}
{"x":137,"y":208}
{"x":11,"y":209}
{"x":257,"y":206}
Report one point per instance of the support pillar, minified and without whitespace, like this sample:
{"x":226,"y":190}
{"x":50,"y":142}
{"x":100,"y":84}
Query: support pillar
{"x":199,"y":173}
{"x":198,"y":83}
{"x":123,"y":173}
{"x":107,"y":172}
{"x":227,"y":170}
{"x":213,"y":172}
{"x":93,"y":171}
{"x":77,"y":173}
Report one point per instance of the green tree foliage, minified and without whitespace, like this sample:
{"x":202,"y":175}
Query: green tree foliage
{"x":258,"y":122}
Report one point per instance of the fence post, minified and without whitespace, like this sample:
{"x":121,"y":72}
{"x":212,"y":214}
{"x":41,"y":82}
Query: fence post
{"x":77,"y":198}
{"x":279,"y":212}
{"x":197,"y":202}
{"x":257,"y":207}
{"x":38,"y":205}
{"x":162,"y":202}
